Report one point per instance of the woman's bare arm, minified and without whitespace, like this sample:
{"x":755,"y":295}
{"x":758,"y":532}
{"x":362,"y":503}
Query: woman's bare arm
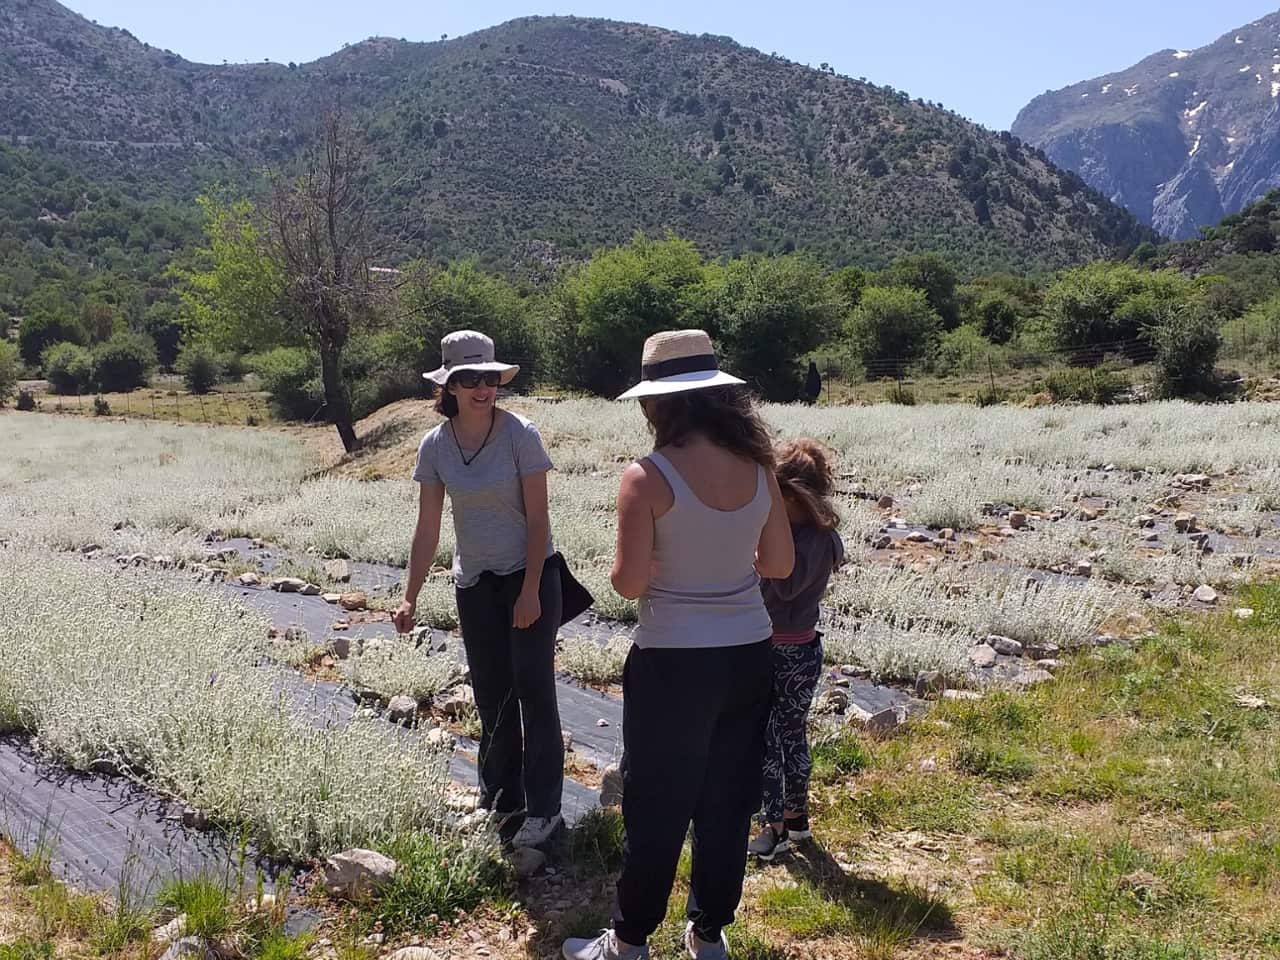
{"x":634,"y":555}
{"x":776,"y":552}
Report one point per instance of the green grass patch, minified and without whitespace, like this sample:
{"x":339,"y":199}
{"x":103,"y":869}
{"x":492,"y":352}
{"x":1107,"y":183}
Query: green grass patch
{"x":27,"y":949}
{"x":277,"y":946}
{"x":995,"y":762}
{"x":434,"y":880}
{"x":205,"y":901}
{"x":910,"y":801}
{"x":839,"y":756}
{"x":595,"y":843}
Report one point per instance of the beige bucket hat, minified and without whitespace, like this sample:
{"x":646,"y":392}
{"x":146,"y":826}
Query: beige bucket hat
{"x":468,"y":350}
{"x":678,"y":360}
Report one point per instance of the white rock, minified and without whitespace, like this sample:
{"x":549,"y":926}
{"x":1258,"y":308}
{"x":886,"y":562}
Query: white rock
{"x":171,"y":931}
{"x":473,"y":821}
{"x":915,"y":536}
{"x":1083,"y":568}
{"x":832,"y":701}
{"x":982,"y":656}
{"x":189,"y":948}
{"x":1006,"y":645}
{"x":266,"y":902}
{"x":887,"y":720}
{"x":356,"y":873}
{"x":402,"y":709}
{"x":1205,"y":594}
{"x":1041,"y":649}
{"x":1049,"y":664}
{"x":1242,"y":613}
{"x":249,"y":579}
{"x":330,"y":597}
{"x":1029,"y":678}
{"x":611,"y":787}
{"x":928,"y":765}
{"x":526,"y":861}
{"x":337,"y":570}
{"x":287,"y":584}
{"x":439,"y":738}
{"x":414,"y":953}
{"x":310,"y":590}
{"x":961,"y":695}
{"x":455,"y":702}
{"x":602,"y":722}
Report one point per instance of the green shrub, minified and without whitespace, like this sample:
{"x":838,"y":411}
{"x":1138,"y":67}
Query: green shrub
{"x":124,"y":362}
{"x":101,"y":408}
{"x":890,"y":326}
{"x":38,"y":332}
{"x":1187,"y":345}
{"x":68,"y":367}
{"x":200,"y":367}
{"x":965,"y":351}
{"x":901,"y":395}
{"x":1101,"y":385}
{"x":988,"y":397}
{"x":382,"y":369}
{"x":292,"y":376}
{"x":234,"y":366}
{"x":9,"y":370}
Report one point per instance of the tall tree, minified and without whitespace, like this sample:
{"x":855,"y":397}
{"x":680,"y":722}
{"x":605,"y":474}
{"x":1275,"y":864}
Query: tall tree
{"x":319,"y":230}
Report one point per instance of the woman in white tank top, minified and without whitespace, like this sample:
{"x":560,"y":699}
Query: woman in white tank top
{"x":700,"y":520}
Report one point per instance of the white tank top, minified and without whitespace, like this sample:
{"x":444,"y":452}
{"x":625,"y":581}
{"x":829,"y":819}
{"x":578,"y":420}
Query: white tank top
{"x":703,"y":590}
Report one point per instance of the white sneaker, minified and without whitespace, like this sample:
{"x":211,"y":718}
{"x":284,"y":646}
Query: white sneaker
{"x":701,"y":950}
{"x":603,"y":947}
{"x":535,"y":831}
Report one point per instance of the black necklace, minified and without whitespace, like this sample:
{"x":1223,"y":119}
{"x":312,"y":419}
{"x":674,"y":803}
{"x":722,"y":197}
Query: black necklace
{"x":493,"y":418}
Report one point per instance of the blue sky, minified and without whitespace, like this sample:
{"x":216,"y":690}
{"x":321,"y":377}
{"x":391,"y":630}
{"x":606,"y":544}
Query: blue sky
{"x":983,"y":59}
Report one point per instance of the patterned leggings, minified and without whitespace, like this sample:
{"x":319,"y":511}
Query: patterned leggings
{"x":787,"y":765}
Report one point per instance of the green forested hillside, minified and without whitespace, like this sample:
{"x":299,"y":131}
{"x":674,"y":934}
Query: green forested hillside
{"x":540,"y":139}
{"x":84,"y":256}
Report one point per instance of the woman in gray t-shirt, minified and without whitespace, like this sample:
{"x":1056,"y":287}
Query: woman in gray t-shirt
{"x":493,"y":466}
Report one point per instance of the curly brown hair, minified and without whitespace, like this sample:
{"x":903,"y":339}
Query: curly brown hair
{"x":724,"y":415}
{"x":807,"y":479}
{"x":446,"y":403}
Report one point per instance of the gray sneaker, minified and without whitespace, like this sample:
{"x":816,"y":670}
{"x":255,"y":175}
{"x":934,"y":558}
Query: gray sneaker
{"x":535,"y":831}
{"x":701,"y":950}
{"x":768,"y":843}
{"x":603,"y":947}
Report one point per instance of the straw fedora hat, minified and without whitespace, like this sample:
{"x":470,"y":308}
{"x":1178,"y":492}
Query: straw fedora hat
{"x":678,"y":360}
{"x":468,"y":350}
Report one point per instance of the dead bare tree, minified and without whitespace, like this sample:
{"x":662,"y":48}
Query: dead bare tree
{"x":320,"y":230}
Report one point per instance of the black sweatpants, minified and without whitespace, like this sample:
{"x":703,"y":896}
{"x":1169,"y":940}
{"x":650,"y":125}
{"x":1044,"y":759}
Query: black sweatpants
{"x":693,"y":725}
{"x":513,"y":676}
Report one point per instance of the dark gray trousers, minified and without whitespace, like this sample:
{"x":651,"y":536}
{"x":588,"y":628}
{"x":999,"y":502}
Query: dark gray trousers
{"x":513,"y":675}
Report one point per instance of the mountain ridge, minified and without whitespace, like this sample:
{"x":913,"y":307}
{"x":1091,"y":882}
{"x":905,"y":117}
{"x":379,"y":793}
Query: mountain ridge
{"x":1182,"y":138}
{"x":566,"y":133}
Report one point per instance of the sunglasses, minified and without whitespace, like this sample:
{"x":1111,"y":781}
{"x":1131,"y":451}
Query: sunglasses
{"x":470,"y":379}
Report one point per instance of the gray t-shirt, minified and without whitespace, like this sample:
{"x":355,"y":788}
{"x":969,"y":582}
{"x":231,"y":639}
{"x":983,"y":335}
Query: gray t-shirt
{"x":489,"y":527}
